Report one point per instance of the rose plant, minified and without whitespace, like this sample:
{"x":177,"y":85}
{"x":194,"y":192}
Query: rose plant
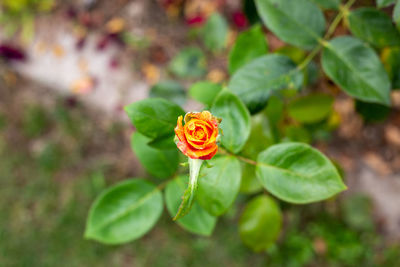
{"x":255,"y":129}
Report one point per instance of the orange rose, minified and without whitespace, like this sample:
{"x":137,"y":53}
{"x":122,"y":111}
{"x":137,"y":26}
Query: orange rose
{"x":198,"y":138}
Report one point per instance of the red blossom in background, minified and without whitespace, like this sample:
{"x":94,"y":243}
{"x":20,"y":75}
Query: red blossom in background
{"x":12,"y":53}
{"x":240,"y":20}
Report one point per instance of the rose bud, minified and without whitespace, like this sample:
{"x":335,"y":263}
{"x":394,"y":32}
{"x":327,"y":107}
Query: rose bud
{"x":198,"y":138}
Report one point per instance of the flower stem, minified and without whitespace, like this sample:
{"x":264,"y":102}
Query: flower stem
{"x":322,"y":42}
{"x":188,"y":195}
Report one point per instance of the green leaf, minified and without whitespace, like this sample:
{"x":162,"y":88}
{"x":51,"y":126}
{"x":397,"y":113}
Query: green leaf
{"x":197,"y":221}
{"x":357,"y":211}
{"x":297,"y":134}
{"x":259,"y":135}
{"x":300,"y":23}
{"x":297,"y":173}
{"x":190,"y":192}
{"x":169,"y":90}
{"x":311,"y":108}
{"x":189,"y":63}
{"x":215,"y":32}
{"x":249,"y":45}
{"x":159,"y":163}
{"x":205,"y":92}
{"x":356,"y":68}
{"x":163,"y":143}
{"x":124,"y":212}
{"x":219,"y":184}
{"x":396,"y":14}
{"x":154,"y":117}
{"x":296,"y":54}
{"x":250,"y":10}
{"x":311,"y":73}
{"x":373,"y":26}
{"x":235,"y":122}
{"x":391,"y":61}
{"x":255,"y":82}
{"x":275,"y":116}
{"x":328,"y":4}
{"x":384,"y":3}
{"x":250,"y":183}
{"x":260,"y":223}
{"x":372,"y":112}
{"x":257,"y":142}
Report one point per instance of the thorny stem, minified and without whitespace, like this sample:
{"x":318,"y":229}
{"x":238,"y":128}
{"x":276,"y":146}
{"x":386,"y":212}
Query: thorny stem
{"x":322,"y":42}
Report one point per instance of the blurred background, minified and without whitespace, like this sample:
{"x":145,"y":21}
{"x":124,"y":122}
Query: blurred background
{"x":67,"y":68}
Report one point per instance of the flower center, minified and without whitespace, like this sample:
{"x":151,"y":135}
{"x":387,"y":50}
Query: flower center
{"x":199,"y":133}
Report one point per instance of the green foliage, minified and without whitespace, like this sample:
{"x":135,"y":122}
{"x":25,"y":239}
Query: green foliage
{"x":296,"y":54}
{"x":250,"y":183}
{"x":205,"y":92}
{"x":124,"y":212}
{"x":189,"y":63}
{"x":250,"y":10}
{"x":264,"y":151}
{"x":258,"y":141}
{"x":297,"y":173}
{"x":197,"y":221}
{"x":274,"y":113}
{"x":372,"y":112}
{"x":357,"y":212}
{"x":328,"y":4}
{"x":154,"y":117}
{"x":169,"y":90}
{"x":160,"y":163}
{"x":297,"y":245}
{"x":19,"y":15}
{"x":219,"y":184}
{"x":384,"y":3}
{"x":299,"y":22}
{"x":297,"y":134}
{"x":190,"y":192}
{"x":255,"y":82}
{"x":396,"y":14}
{"x":215,"y":32}
{"x":373,"y":26}
{"x":356,"y":68}
{"x":249,"y":45}
{"x":391,"y":61}
{"x":311,"y":108}
{"x":235,"y":124}
{"x":260,"y":223}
